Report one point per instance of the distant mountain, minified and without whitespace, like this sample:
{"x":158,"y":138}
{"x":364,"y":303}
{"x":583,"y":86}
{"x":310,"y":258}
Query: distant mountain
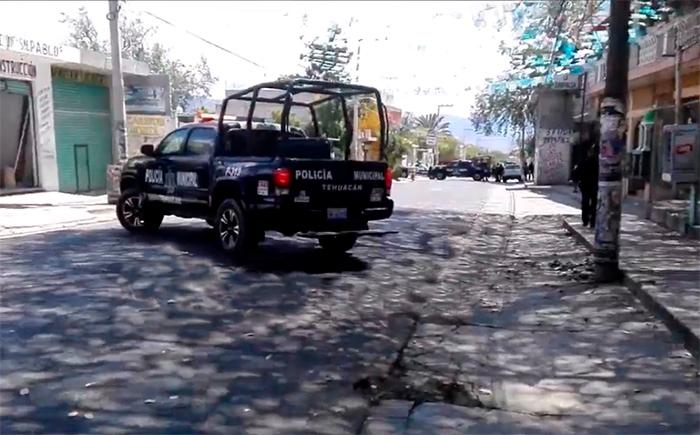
{"x":463,"y":130}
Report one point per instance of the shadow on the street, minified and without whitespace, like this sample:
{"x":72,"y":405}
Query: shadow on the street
{"x":165,"y":333}
{"x":110,"y":332}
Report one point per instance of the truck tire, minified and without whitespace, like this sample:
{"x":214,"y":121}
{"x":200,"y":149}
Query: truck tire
{"x":440,"y":176}
{"x":337,"y":244}
{"x":134,"y":215}
{"x":233,"y":229}
{"x":476,"y":177}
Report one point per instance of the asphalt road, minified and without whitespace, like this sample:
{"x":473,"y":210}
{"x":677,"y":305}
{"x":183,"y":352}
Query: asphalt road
{"x":102,"y":331}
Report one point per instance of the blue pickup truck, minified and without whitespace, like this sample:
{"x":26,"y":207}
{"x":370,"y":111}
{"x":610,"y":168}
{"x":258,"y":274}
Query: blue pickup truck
{"x":459,"y":168}
{"x":248,"y":178}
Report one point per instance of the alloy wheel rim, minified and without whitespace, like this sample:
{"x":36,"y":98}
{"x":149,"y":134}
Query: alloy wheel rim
{"x":229,"y":228}
{"x":131,"y":210}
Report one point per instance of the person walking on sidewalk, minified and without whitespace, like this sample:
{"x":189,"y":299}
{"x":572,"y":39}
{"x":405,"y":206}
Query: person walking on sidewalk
{"x":587,"y":176}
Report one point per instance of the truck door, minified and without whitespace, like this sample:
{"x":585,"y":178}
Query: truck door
{"x":194,"y":166}
{"x":159,"y":176}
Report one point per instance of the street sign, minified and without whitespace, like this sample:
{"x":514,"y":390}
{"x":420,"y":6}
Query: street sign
{"x":431,"y":139}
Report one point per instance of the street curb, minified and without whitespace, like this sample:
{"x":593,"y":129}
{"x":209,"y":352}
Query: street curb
{"x":641,"y":292}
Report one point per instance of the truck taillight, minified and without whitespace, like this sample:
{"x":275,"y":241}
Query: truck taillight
{"x":282,"y":178}
{"x":387,"y":180}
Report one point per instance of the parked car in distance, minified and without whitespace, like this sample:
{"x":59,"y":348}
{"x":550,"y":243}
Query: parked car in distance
{"x":420,"y":169}
{"x":459,"y":168}
{"x":512,"y":171}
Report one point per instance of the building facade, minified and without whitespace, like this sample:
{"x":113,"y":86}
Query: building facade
{"x":55,"y":115}
{"x":651,"y":100}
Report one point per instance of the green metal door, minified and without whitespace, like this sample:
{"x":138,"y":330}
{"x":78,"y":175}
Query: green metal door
{"x":83,"y":135}
{"x":15,"y":87}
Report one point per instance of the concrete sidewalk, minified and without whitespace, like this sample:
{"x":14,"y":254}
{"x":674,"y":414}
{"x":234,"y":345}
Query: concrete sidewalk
{"x":670,"y":214}
{"x":49,"y":211}
{"x":662,"y":269}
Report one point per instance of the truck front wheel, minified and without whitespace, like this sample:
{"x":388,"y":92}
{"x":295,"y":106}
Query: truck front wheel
{"x":337,"y":244}
{"x":233,"y":228}
{"x":134,"y":213}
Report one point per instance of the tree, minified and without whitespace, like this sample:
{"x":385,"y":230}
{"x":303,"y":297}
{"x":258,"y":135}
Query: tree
{"x":83,"y":32}
{"x":327,"y":59}
{"x":448,"y":147}
{"x":187,"y":82}
{"x":433,"y":122}
{"x":504,"y":112}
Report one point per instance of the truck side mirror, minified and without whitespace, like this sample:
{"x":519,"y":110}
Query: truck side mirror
{"x":147,"y":149}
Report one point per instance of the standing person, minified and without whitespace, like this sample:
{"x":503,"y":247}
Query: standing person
{"x":531,"y":170}
{"x":587,"y":176}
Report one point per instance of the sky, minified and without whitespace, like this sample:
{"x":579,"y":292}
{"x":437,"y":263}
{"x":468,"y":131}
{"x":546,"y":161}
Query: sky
{"x":423,"y":54}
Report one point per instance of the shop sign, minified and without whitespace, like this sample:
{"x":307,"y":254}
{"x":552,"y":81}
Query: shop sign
{"x":79,"y":76}
{"x":40,"y":48}
{"x":22,"y":69}
{"x":566,"y":81}
{"x":144,"y":99}
{"x":149,"y":126}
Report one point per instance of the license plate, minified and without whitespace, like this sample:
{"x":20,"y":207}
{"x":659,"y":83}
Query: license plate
{"x":376,"y":195}
{"x":337,"y":213}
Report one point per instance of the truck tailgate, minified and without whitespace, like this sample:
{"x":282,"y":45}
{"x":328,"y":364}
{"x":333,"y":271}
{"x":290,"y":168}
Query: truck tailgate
{"x":337,"y":183}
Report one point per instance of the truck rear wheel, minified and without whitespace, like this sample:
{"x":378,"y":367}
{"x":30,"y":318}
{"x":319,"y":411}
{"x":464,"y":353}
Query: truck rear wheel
{"x":440,"y":176}
{"x":337,"y":244}
{"x":233,"y":229}
{"x":135,"y":215}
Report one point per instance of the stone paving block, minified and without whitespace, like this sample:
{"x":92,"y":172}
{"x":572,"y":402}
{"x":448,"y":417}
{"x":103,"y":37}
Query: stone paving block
{"x":441,"y":418}
{"x":392,"y":409}
{"x":384,"y":426}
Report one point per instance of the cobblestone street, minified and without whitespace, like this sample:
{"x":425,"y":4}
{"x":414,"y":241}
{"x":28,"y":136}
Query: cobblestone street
{"x":477,"y":317}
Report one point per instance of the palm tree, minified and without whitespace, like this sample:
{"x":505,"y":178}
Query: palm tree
{"x":433,"y":122}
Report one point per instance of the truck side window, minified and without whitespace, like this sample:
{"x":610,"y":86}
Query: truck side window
{"x":172,"y":144}
{"x":201,"y":141}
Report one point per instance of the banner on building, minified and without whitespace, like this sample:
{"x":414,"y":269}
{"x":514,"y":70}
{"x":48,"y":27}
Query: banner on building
{"x":144,"y":129}
{"x":144,"y":99}
{"x":147,"y":94}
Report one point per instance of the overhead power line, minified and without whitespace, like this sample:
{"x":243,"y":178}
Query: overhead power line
{"x":206,"y":41}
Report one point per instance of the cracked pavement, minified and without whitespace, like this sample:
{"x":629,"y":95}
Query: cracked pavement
{"x":468,"y":320}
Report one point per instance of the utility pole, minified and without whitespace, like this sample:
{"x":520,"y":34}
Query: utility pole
{"x":356,"y":144}
{"x":678,"y":60}
{"x":117,"y":91}
{"x":612,"y":146}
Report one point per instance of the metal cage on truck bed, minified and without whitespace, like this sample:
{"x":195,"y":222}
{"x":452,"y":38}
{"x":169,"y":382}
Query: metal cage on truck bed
{"x":320,"y":92}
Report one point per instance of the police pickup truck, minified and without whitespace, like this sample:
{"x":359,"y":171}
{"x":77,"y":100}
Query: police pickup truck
{"x":245,"y":178}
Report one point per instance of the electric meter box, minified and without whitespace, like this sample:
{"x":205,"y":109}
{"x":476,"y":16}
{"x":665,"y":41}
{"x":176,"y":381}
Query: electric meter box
{"x":680,"y":160}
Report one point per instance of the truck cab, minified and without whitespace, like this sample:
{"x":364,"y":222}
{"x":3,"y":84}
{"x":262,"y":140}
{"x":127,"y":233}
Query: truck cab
{"x":246,"y":177}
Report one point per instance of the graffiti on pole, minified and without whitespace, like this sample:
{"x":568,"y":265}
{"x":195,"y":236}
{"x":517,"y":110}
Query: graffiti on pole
{"x":609,"y":209}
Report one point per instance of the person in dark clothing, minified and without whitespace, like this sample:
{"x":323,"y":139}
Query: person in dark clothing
{"x":587,"y":176}
{"x":531,"y":171}
{"x":498,"y":172}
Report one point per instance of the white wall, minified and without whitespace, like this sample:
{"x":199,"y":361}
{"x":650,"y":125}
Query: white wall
{"x":44,"y":128}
